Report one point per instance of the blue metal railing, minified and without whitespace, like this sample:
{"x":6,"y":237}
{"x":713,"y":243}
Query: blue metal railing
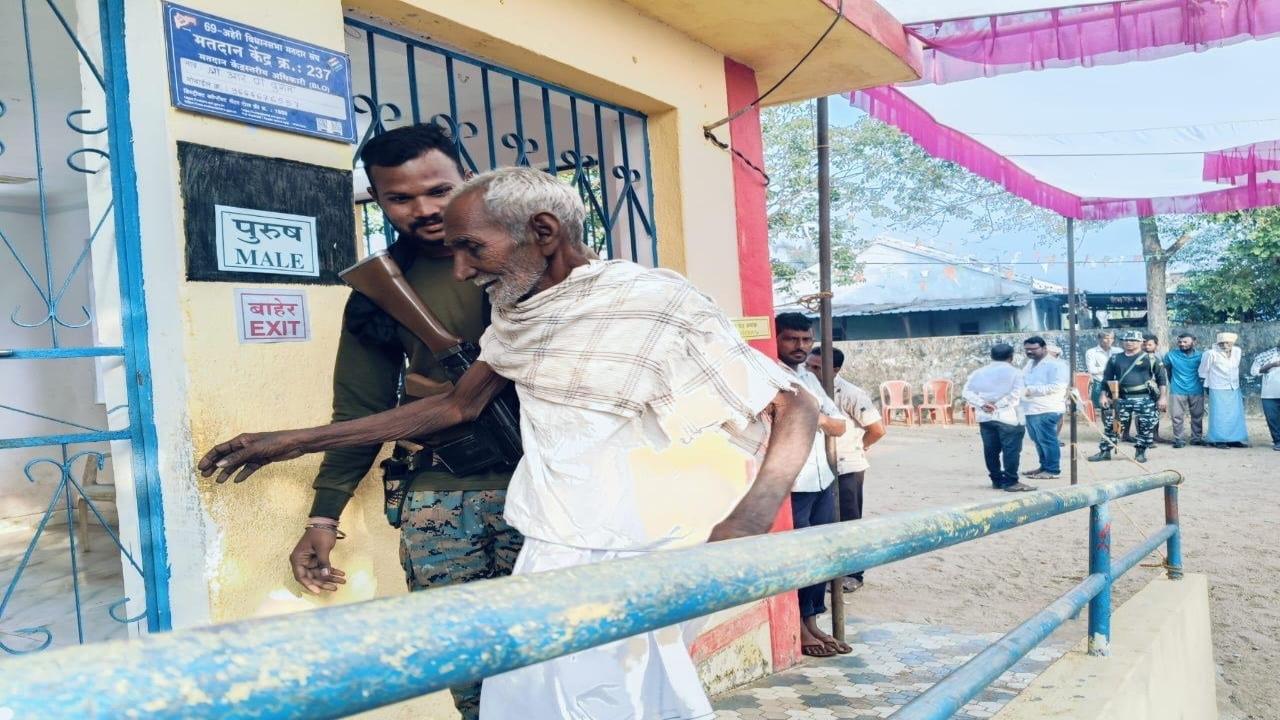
{"x":341,"y":660}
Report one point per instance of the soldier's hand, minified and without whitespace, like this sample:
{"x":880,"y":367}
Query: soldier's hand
{"x":1104,"y":401}
{"x":248,"y":452}
{"x":1162,"y":404}
{"x":310,"y":562}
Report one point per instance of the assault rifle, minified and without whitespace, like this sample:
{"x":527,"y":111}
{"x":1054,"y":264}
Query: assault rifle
{"x":1114,"y":387}
{"x":494,"y":440}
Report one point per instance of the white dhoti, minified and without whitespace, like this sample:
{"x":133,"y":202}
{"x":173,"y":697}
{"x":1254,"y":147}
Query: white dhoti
{"x":645,"y":677}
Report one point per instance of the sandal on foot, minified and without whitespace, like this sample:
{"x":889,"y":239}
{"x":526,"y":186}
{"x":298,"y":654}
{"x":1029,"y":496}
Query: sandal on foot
{"x":843,"y":648}
{"x":820,"y":650}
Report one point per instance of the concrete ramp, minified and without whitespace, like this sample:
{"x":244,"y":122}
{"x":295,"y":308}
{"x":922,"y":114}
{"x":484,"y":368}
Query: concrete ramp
{"x":1160,"y":667}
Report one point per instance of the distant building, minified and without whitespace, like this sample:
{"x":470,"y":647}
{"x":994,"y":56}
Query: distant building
{"x":907,"y":290}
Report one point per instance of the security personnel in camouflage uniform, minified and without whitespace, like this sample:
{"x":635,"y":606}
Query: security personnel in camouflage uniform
{"x":1143,"y":396}
{"x":451,"y":527}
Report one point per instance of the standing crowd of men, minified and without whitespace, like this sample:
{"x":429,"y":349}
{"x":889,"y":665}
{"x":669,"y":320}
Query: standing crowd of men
{"x":1130,"y":385}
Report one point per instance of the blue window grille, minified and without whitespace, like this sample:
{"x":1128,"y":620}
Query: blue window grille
{"x":499,"y":117}
{"x":82,"y":555}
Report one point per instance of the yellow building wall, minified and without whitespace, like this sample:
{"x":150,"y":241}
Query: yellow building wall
{"x":238,"y":538}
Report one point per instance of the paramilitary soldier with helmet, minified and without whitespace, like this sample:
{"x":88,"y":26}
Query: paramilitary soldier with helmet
{"x":1140,"y":381}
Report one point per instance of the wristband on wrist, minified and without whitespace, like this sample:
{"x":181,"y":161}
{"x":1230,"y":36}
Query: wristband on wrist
{"x":328,"y":528}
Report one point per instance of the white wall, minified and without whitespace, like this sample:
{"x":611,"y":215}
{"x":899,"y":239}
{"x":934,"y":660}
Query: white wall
{"x":63,"y":389}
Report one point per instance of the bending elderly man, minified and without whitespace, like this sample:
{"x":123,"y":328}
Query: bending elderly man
{"x":647,"y":424}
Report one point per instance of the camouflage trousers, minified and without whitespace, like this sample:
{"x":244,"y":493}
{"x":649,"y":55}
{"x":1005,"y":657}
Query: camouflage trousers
{"x":452,"y":537}
{"x":1142,"y":410}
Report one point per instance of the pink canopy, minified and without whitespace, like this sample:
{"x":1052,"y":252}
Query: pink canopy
{"x":1244,"y":165}
{"x":1192,"y":133}
{"x":1087,"y":35}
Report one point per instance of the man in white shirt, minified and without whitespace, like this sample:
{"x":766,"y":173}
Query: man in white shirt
{"x":1220,"y":369}
{"x":1095,"y":362}
{"x":1046,"y":379}
{"x":812,"y":498}
{"x":995,"y":392}
{"x":1267,"y":366}
{"x":863,"y":430}
{"x":622,"y":455}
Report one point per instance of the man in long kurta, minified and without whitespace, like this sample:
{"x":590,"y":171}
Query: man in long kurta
{"x":1220,"y":370}
{"x":647,"y":424}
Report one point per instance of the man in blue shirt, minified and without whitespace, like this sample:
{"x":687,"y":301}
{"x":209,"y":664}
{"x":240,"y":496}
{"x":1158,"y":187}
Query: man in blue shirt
{"x":1186,"y":390}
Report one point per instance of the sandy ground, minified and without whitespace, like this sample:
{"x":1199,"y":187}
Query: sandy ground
{"x":1230,"y":507}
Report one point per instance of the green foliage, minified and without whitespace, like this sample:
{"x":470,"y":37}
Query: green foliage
{"x":1237,"y":269}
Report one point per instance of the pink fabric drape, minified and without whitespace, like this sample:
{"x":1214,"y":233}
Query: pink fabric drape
{"x":1244,"y":164}
{"x":891,"y":106}
{"x":1087,"y":35}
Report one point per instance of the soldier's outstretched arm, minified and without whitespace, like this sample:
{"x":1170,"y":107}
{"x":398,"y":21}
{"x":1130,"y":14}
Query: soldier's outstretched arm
{"x":245,"y":454}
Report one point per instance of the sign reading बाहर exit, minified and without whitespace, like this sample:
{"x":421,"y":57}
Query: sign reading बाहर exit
{"x":269,"y":316}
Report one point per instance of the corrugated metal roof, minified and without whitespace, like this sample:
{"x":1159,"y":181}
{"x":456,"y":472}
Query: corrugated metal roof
{"x":843,"y":310}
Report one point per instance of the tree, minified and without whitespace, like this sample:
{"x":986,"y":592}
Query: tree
{"x":878,"y":175}
{"x":1156,"y":257}
{"x":1237,"y":269}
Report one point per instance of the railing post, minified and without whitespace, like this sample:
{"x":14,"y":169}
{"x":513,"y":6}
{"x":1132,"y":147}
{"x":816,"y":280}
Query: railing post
{"x":1100,"y":562}
{"x":1173,"y":562}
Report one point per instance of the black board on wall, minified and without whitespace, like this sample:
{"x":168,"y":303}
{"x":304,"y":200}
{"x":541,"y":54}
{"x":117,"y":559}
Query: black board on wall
{"x":213,"y":176}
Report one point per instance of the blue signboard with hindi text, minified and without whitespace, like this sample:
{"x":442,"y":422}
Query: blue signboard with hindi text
{"x":235,"y":71}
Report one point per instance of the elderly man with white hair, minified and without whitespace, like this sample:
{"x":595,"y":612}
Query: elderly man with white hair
{"x":647,"y":425}
{"x":1220,"y":369}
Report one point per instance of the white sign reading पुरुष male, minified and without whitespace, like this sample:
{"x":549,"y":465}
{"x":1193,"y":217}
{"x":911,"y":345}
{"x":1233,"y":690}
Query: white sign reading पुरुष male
{"x":271,"y":243}
{"x":264,"y":315}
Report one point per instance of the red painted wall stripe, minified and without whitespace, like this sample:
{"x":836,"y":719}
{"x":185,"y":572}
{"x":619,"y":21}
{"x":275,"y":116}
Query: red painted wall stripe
{"x":722,"y":635}
{"x":756,"y":277}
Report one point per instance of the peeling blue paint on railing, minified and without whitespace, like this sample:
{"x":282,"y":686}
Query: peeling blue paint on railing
{"x":336,"y":661}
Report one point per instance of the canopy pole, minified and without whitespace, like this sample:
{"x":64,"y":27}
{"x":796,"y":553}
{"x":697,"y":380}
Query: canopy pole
{"x":828,"y":337}
{"x":1071,"y":342}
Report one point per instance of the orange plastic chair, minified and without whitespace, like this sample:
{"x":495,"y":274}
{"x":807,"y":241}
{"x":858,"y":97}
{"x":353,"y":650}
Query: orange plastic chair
{"x":936,"y":403}
{"x":970,"y":415}
{"x":1086,"y":405}
{"x":895,"y":395}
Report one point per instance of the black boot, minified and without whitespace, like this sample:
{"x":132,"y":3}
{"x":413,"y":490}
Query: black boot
{"x":1141,"y":455}
{"x":1101,"y":456}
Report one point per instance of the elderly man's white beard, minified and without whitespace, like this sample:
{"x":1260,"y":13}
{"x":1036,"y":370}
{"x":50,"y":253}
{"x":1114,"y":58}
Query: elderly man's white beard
{"x":505,"y":291}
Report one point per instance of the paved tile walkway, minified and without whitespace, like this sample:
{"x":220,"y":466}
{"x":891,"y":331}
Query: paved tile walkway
{"x":891,"y":663}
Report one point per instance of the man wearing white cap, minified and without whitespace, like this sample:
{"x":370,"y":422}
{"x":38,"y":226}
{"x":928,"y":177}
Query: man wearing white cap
{"x":1220,"y":369}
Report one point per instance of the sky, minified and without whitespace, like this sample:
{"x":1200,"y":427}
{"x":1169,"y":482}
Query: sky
{"x":1116,"y":238}
{"x":1136,"y":129}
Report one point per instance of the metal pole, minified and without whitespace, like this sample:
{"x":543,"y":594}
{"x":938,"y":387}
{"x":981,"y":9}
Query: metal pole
{"x":1071,"y":345}
{"x":824,"y":315}
{"x":1100,"y":562}
{"x":1174,"y":548}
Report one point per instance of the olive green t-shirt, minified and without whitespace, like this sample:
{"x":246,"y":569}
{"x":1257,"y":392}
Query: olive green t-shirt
{"x":367,"y":378}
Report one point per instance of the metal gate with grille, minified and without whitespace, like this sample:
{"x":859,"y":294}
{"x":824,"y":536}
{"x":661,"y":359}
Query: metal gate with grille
{"x":82,"y":553}
{"x":500,"y":117}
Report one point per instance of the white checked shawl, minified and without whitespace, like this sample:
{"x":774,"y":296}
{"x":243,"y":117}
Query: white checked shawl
{"x":620,"y":338}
